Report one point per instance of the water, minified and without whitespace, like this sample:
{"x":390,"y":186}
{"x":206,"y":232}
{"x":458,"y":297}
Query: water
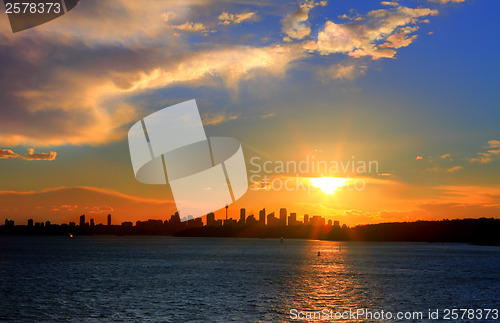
{"x":243,"y":280}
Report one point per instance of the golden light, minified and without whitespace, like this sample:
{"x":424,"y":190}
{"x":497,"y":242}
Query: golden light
{"x":328,"y":185}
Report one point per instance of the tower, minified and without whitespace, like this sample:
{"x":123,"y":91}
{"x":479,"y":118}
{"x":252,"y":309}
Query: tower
{"x":262,"y":216}
{"x":282,"y":217}
{"x":242,"y":216}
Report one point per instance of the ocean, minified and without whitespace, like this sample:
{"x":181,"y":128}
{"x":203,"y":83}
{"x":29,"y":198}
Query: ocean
{"x":168,"y":279}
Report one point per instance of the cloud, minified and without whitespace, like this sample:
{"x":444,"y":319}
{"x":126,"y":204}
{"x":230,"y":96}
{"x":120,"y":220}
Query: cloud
{"x":418,"y":158}
{"x":482,"y":159}
{"x":268,"y":115}
{"x":454,"y":169}
{"x":7,"y":153}
{"x":230,"y":64}
{"x":211,"y":119}
{"x":494,"y":144}
{"x":82,"y":95}
{"x":191,"y":27}
{"x":490,"y":155}
{"x":373,"y":51}
{"x":237,"y":18}
{"x":342,"y":71}
{"x":173,"y":20}
{"x":362,"y":36}
{"x":79,"y":96}
{"x":447,"y":1}
{"x":438,"y":169}
{"x":389,"y":3}
{"x":31,"y":155}
{"x":399,"y":39}
{"x":445,"y":156}
{"x":260,"y":186}
{"x":295,"y":24}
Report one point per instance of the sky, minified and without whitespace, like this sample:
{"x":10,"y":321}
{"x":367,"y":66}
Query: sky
{"x":410,"y":85}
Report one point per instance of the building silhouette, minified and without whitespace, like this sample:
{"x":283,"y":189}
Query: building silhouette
{"x":109,"y":219}
{"x":251,"y":220}
{"x":283,"y":217}
{"x":195,"y":223}
{"x":211,"y":219}
{"x":317,"y":220}
{"x":483,"y":230}
{"x":230,"y":222}
{"x":242,"y":216}
{"x":272,"y":221}
{"x":262,"y":216}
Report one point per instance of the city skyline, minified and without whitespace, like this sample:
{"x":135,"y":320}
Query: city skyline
{"x":476,"y":231}
{"x":209,"y":219}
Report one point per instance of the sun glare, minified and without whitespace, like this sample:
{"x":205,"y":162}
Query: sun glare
{"x":328,"y":185}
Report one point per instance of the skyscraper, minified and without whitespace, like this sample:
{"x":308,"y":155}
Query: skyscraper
{"x":262,"y":216}
{"x":211,"y":219}
{"x":292,"y":219}
{"x":242,"y":216}
{"x":306,"y":219}
{"x":317,"y":220}
{"x":82,"y":220}
{"x":272,"y":220}
{"x":283,"y":217}
{"x":109,"y":219}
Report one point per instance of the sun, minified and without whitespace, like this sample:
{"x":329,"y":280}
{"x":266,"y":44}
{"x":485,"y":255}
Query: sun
{"x":328,"y":185}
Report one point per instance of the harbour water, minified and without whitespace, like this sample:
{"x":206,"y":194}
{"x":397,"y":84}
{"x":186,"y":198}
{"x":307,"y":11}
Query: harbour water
{"x":132,"y":279}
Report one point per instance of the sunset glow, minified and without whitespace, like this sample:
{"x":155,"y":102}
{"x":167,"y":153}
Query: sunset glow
{"x":328,"y":185}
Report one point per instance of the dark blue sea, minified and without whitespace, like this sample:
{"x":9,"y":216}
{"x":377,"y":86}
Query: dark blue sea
{"x":166,"y":279}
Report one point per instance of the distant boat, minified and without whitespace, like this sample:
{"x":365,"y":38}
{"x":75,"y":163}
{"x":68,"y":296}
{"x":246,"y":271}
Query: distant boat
{"x":281,"y":240}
